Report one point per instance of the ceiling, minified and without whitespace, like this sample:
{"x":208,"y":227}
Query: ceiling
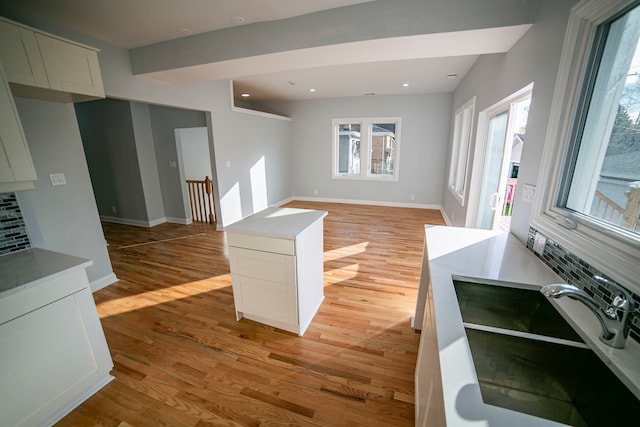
{"x":381,"y":68}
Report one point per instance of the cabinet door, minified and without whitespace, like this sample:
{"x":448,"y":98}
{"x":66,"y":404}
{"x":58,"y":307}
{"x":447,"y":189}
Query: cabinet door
{"x":15,"y":159}
{"x":71,"y":68}
{"x":20,"y":56}
{"x":264,"y":284}
{"x":46,"y":362}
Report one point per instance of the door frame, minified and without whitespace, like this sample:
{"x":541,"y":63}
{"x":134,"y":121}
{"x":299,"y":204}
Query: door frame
{"x":475,"y":185}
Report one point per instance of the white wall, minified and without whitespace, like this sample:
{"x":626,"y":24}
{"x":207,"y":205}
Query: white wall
{"x":534,"y":58}
{"x":193,"y":145}
{"x":423,"y":147}
{"x":62,"y":218}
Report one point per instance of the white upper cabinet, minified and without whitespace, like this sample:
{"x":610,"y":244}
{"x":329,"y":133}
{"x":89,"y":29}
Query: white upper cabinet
{"x":16,"y":167}
{"x":20,"y":56}
{"x":42,"y":66}
{"x":71,"y":68}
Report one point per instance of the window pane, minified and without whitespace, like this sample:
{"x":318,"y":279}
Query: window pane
{"x":383,"y":148}
{"x":349,"y":149}
{"x":605,"y":182}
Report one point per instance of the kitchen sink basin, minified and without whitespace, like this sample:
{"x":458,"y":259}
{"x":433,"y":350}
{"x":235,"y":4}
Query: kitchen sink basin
{"x":508,"y":307}
{"x":528,"y":359}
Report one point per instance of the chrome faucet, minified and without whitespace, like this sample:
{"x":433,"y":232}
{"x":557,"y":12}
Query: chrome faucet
{"x":614,"y":319}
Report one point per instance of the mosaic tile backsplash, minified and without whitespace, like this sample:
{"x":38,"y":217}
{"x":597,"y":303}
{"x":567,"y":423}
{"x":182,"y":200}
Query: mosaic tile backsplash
{"x":13,"y":232}
{"x":578,"y":273}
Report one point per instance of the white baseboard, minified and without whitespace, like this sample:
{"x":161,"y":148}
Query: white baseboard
{"x":183,"y":221}
{"x":103,"y":282}
{"x":367,"y":202}
{"x":446,"y":218}
{"x":146,"y":224}
{"x":126,"y":221}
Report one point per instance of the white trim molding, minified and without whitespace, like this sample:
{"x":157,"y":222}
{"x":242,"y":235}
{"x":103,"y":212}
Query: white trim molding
{"x":103,"y":282}
{"x":614,"y":255}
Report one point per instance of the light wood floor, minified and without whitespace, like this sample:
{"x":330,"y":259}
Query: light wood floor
{"x":181,"y":359}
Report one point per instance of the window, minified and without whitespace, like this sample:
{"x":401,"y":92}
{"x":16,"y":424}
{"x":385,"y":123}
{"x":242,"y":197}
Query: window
{"x":366,"y":148}
{"x":463,"y":123}
{"x":590,"y":171}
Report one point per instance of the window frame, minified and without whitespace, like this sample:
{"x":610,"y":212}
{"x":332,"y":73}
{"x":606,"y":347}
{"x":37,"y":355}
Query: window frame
{"x":365,"y":149}
{"x":461,"y":149}
{"x":606,"y":249}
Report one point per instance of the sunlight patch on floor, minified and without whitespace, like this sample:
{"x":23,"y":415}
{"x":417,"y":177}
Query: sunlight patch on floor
{"x":162,"y":295}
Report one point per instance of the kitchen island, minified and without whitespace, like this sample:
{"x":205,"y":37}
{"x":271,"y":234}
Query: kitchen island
{"x":276,"y":259}
{"x":53,"y":353}
{"x":447,"y":387}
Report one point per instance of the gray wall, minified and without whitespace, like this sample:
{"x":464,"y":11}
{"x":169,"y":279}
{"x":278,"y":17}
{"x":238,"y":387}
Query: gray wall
{"x":373,"y":20}
{"x":534,"y":58}
{"x":164,"y":121}
{"x":109,"y":141}
{"x":146,"y":152}
{"x":232,"y":133}
{"x":423,"y":146}
{"x":62,"y":218}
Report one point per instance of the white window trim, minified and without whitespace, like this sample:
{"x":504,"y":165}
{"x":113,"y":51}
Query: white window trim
{"x":614,"y":255}
{"x":365,"y":167}
{"x":460,"y":149}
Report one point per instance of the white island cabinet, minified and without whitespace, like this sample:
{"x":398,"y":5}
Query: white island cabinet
{"x":53,"y":353}
{"x":276,"y":259}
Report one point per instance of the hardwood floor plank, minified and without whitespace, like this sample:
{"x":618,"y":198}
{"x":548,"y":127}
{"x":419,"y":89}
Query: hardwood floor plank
{"x":181,"y":358}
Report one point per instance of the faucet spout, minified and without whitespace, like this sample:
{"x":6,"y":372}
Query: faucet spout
{"x":614,"y":319}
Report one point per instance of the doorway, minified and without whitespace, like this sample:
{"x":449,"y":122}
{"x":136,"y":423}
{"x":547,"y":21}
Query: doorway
{"x":502,"y":129}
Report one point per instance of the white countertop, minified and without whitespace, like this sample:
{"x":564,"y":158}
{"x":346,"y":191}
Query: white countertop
{"x":284,"y":223}
{"x":493,"y":256}
{"x":27,"y":268}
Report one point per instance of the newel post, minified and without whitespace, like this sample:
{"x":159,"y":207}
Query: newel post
{"x":631,"y":211}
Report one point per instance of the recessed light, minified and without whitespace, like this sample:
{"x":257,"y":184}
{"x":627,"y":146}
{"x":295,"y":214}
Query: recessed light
{"x":452,"y":76}
{"x":245,"y":95}
{"x":312,"y":90}
{"x":185,"y":31}
{"x":237,"y":20}
{"x":292,"y":83}
{"x":370,"y":94}
{"x":405,"y":84}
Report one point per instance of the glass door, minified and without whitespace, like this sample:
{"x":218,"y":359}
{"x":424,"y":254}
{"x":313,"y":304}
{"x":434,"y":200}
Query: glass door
{"x":506,"y":130}
{"x":489,"y":194}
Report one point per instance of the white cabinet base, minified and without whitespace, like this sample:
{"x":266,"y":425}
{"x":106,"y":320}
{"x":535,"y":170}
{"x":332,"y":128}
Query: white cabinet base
{"x":276,"y":259}
{"x":53,"y":352}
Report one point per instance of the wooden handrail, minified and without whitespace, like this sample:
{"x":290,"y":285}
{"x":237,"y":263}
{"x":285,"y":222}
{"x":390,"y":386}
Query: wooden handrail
{"x":627,"y":217}
{"x":612,"y":212}
{"x":201,"y":200}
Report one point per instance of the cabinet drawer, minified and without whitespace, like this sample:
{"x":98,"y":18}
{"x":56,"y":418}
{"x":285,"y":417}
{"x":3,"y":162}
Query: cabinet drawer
{"x":263,"y":265}
{"x":261,"y":243}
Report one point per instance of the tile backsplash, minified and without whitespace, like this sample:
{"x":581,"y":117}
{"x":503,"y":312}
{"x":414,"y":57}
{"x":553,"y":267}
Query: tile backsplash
{"x":577,"y":272}
{"x":13,"y":232}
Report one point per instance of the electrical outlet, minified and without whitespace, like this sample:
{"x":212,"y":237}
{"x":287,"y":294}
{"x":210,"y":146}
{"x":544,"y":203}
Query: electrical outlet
{"x":315,"y":191}
{"x":538,"y":243}
{"x":412,"y":197}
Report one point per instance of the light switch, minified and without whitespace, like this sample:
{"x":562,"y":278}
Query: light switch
{"x":528,"y":193}
{"x":57,"y":179}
